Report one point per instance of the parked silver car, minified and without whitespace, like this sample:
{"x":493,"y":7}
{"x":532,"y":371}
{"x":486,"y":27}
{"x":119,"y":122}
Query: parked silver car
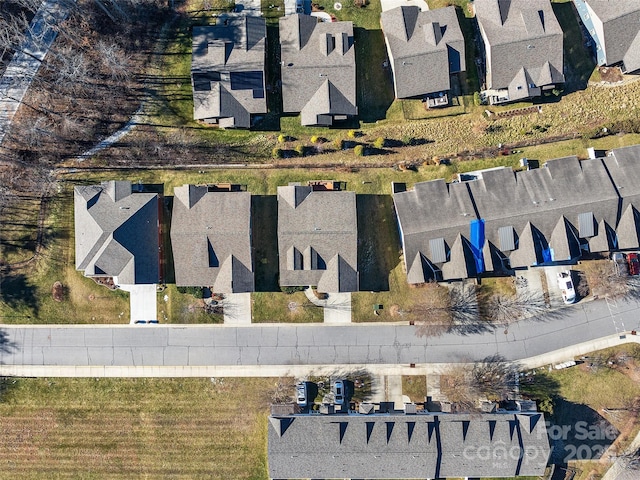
{"x":301,"y":394}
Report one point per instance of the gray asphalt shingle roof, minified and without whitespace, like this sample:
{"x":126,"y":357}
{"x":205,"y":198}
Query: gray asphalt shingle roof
{"x":227,"y":70}
{"x":211,"y":239}
{"x":407,"y":446}
{"x":116,"y":232}
{"x":621,"y":27}
{"x":318,"y":238}
{"x":523,"y":43}
{"x":318,"y":69}
{"x":424,"y":49}
{"x":541,"y":209}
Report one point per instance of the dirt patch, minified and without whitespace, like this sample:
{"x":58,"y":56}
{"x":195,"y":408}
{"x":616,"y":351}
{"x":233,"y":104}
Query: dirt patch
{"x":610,"y":74}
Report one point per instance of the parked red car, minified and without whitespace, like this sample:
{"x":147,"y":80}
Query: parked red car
{"x":634,"y":263}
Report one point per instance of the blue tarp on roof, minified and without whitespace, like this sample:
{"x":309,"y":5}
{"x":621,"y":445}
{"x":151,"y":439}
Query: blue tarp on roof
{"x":476,"y":235}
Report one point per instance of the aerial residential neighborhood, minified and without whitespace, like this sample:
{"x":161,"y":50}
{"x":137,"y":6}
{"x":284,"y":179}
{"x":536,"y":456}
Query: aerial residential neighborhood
{"x":381,"y":239}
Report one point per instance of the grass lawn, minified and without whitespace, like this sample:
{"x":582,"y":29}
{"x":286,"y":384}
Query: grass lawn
{"x":134,"y":428}
{"x":415,"y":387}
{"x":183,"y":308}
{"x":279,"y":307}
{"x":26,"y":294}
{"x":416,"y":109}
{"x":19,"y":230}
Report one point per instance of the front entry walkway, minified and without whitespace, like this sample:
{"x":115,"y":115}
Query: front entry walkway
{"x":337,"y":306}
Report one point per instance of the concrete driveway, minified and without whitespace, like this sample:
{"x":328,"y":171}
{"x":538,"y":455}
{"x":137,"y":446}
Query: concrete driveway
{"x":142,"y":301}
{"x":551,"y":274}
{"x":542,"y":279}
{"x":337,"y":308}
{"x":237,"y":308}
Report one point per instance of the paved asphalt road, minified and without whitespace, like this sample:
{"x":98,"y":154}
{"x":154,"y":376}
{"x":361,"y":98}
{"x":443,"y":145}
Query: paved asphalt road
{"x":290,"y":345}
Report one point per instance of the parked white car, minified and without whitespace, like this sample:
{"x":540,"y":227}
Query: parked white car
{"x":565,"y":284}
{"x":301,"y":394}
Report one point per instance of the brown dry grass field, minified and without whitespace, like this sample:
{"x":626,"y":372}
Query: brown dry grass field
{"x":134,"y":428}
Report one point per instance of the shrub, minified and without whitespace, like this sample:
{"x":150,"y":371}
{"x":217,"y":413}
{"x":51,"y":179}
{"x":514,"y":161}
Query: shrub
{"x":351,"y":134}
{"x":379,"y":143}
{"x":290,"y":290}
{"x":195,"y":291}
{"x":339,"y":143}
{"x":300,"y":150}
{"x":359,"y":150}
{"x":282,"y":138}
{"x":315,"y":139}
{"x":476,"y":99}
{"x":277,"y":153}
{"x":408,"y":140}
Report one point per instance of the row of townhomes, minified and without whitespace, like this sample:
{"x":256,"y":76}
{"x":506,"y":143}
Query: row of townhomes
{"x":521,"y":57}
{"x":430,"y":444}
{"x":488,"y":222}
{"x":118,"y":235}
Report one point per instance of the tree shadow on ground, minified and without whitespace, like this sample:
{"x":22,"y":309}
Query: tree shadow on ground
{"x":264,"y":235}
{"x":371,"y":55}
{"x":6,"y":345}
{"x":166,"y":261}
{"x":18,"y":293}
{"x":578,"y":432}
{"x":378,"y":241}
{"x":579,"y":63}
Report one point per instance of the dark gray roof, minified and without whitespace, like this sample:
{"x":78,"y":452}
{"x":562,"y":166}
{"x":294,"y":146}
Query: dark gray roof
{"x":318,"y":238}
{"x":523,"y":41}
{"x":211,"y":239}
{"x":620,"y":21}
{"x":424,"y":49}
{"x":407,"y":446}
{"x":227,"y":70}
{"x":116,"y":232}
{"x":532,"y":217}
{"x":611,"y":9}
{"x":318,"y":69}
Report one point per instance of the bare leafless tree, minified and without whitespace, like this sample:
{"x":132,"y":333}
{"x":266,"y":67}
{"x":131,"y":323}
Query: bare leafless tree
{"x":494,"y":377}
{"x":114,"y":59}
{"x":432,"y":313}
{"x":283,"y":391}
{"x":456,"y":385}
{"x":504,"y":310}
